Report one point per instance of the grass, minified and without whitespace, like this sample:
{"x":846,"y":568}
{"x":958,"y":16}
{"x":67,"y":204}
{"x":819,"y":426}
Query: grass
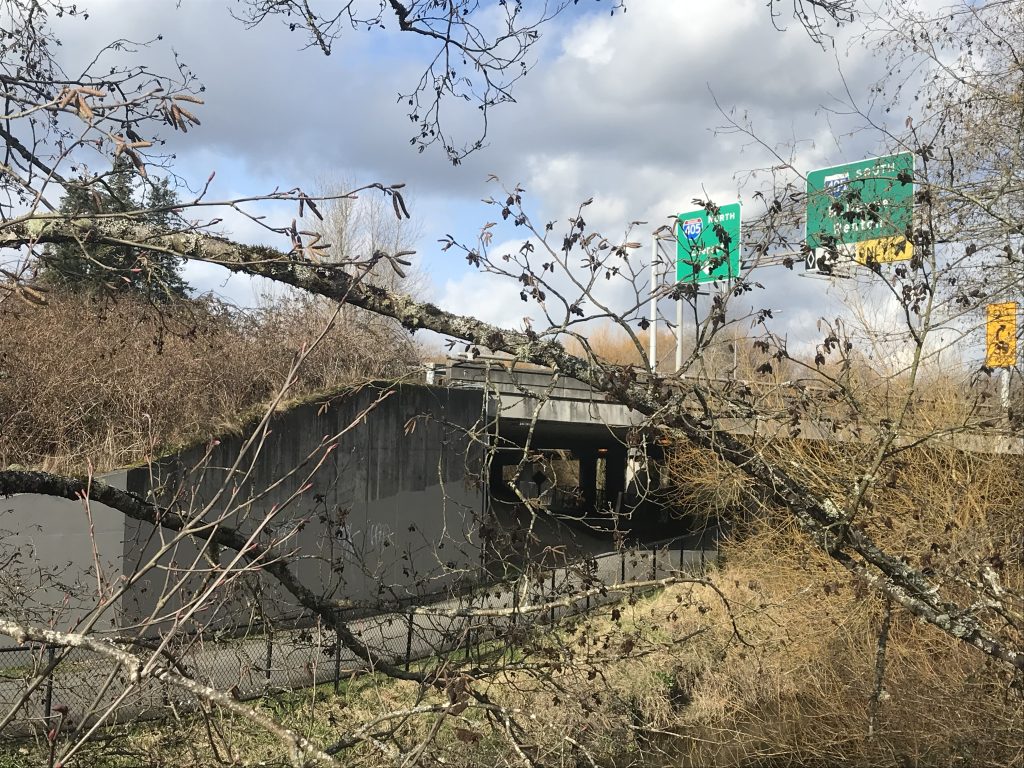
{"x":84,"y":382}
{"x":662,"y":680}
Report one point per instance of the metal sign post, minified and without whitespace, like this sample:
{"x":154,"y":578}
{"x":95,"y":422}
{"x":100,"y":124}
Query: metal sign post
{"x":679,"y":335}
{"x":653,"y":344}
{"x":1004,"y":391}
{"x":679,"y":309}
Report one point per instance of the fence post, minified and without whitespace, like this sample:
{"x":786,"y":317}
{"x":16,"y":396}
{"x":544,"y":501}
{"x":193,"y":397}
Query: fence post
{"x":590,"y":579}
{"x":654,"y":563}
{"x":337,"y":662}
{"x":622,"y":569}
{"x":408,"y":640}
{"x":48,"y":695}
{"x":270,"y":656}
{"x":552,"y":596}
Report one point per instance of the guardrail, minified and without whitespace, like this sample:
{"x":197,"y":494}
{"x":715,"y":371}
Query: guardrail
{"x":774,"y":398}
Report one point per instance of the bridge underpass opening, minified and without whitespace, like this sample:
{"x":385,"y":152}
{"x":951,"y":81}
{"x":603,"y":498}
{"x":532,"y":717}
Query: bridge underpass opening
{"x":589,"y":477}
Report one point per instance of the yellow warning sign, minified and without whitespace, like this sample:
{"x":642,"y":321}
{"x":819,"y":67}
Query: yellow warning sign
{"x":884,"y":250}
{"x":1001,"y":335}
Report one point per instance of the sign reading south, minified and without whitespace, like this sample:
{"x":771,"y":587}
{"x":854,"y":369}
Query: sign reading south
{"x":708,"y":246}
{"x":861,"y":212}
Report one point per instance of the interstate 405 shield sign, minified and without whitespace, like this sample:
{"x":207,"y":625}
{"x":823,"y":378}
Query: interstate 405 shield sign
{"x":860,"y":212}
{"x":708,"y":246}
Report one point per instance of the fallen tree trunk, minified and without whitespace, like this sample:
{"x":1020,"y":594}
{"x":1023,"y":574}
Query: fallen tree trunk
{"x":818,"y":517}
{"x":269,"y":559}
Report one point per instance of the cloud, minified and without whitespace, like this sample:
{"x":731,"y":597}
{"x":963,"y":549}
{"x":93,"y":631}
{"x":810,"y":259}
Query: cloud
{"x":623,"y":109}
{"x":490,"y":298}
{"x":628,"y":107}
{"x":612,"y":94}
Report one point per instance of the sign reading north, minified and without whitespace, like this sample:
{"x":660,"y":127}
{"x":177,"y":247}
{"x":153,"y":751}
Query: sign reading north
{"x":861,"y":212}
{"x":708,"y":247}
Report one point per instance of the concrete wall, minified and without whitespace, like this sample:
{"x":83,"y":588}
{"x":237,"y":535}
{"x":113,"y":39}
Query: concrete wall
{"x":49,"y":561}
{"x":389,"y":512}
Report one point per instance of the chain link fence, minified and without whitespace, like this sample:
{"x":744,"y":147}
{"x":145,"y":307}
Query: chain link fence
{"x":83,"y":686}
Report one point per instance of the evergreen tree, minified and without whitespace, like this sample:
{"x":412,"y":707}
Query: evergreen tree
{"x":117,"y":269}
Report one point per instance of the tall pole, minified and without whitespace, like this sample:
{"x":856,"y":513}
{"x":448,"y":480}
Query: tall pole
{"x":653,"y":356}
{"x":679,"y":308}
{"x":1004,"y":390}
{"x":679,"y":334}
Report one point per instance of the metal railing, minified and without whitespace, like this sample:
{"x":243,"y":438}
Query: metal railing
{"x":85,"y":686}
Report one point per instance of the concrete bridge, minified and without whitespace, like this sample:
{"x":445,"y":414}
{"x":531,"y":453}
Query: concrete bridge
{"x":527,"y":395}
{"x":415,"y":487}
{"x":552,"y":407}
{"x":590,"y":459}
{"x":585,"y":443}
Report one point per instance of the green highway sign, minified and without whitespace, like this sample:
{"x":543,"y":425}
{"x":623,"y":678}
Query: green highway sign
{"x":861,"y":212}
{"x":708,"y":247}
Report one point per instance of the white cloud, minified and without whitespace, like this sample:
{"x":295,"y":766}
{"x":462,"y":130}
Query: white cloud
{"x":592,"y":43}
{"x":488,"y":297}
{"x":619,"y":108}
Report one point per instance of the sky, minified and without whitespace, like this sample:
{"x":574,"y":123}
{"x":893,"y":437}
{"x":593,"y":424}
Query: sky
{"x":621,"y":108}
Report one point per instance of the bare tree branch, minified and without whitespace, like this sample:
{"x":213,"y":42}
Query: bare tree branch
{"x":270,"y":561}
{"x":138,"y":670}
{"x":820,"y":518}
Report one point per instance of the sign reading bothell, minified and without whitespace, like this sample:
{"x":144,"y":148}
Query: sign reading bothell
{"x":860,"y":212}
{"x":708,"y":245}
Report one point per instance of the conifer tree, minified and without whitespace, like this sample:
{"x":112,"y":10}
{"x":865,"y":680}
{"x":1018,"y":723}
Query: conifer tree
{"x":117,"y":269}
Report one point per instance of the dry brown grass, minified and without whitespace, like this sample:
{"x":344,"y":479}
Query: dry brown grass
{"x":84,"y":380}
{"x":800,"y":693}
{"x":611,"y":344}
{"x":665,"y":682}
{"x":729,"y":354}
{"x":799,"y":690}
